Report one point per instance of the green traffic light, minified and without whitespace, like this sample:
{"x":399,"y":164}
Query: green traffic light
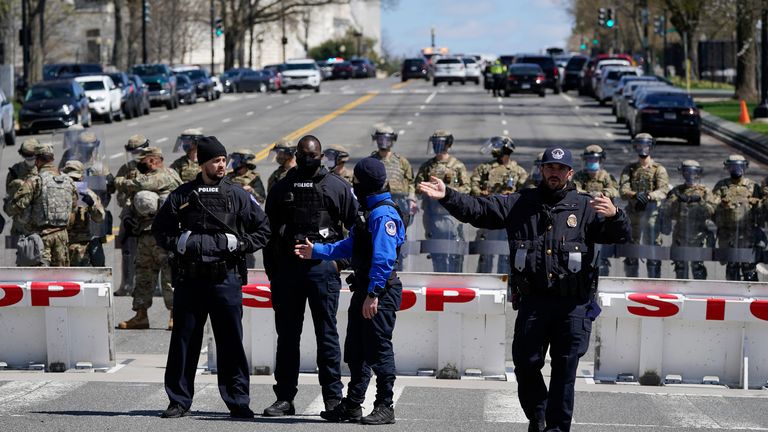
{"x":610,"y":23}
{"x":595,"y":41}
{"x":219,"y":32}
{"x":583,"y":46}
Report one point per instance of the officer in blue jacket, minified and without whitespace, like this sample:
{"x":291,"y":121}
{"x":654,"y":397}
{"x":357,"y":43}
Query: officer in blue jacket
{"x":209,"y":225}
{"x":552,"y":231}
{"x":373,"y":245}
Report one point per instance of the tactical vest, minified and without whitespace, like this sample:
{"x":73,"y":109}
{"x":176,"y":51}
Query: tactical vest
{"x":362,"y":248}
{"x":643,"y":180}
{"x":735,"y":209}
{"x":395,"y":175}
{"x":307,"y":213}
{"x":54,"y":204}
{"x":217,"y":199}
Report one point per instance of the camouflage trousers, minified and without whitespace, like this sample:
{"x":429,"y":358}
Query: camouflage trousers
{"x":151,"y":265}
{"x":733,"y":239}
{"x":645,"y":231}
{"x":55,"y":252}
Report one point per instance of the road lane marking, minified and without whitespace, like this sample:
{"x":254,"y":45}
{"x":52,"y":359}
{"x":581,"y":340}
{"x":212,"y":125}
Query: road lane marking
{"x":163,"y":139}
{"x":164,"y":116}
{"x":422,"y":107}
{"x":506,"y":132}
{"x":263,"y":153}
{"x":132,"y":124}
{"x":683,"y":413}
{"x":597,"y":124}
{"x":432,"y":96}
{"x":188,"y":110}
{"x":116,"y":155}
{"x":402,"y":132}
{"x":410,"y":122}
{"x":269,"y":106}
{"x":568,"y":98}
{"x":286,"y":101}
{"x":608,"y":134}
{"x":588,"y":377}
{"x":399,"y":85}
{"x":503,"y":407}
{"x":249,"y":113}
{"x":498,"y":99}
{"x":503,"y":122}
{"x":501,"y":107}
{"x":22,"y":395}
{"x":253,"y":96}
{"x":226,"y":120}
{"x":416,"y":114}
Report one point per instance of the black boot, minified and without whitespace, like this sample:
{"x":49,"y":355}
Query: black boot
{"x":381,"y":414}
{"x":346,"y":410}
{"x":279,"y":409}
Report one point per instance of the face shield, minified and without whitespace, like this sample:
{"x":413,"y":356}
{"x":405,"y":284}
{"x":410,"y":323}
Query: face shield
{"x":237,"y":160}
{"x":439,"y":144}
{"x":283,"y":154}
{"x":185,"y":143}
{"x":498,"y":146}
{"x":591,"y":162}
{"x":736,"y":168}
{"x":384,"y":141}
{"x":331,"y":158}
{"x":691,"y":174}
{"x":643,"y":148}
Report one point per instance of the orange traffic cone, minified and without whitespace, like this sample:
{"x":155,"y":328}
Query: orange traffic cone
{"x":744,"y":115}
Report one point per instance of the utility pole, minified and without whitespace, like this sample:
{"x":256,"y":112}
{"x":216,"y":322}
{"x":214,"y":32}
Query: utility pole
{"x":761,"y":111}
{"x":433,"y":36}
{"x":144,"y":7}
{"x":646,"y":45}
{"x":213,"y":18}
{"x":25,"y":39}
{"x":664,"y":34}
{"x":283,"y":40}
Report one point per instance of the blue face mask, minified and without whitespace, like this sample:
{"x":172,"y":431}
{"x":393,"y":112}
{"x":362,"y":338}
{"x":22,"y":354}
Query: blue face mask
{"x":592,"y":166}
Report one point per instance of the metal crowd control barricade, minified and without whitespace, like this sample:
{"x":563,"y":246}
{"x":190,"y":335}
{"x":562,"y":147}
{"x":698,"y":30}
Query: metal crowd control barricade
{"x":56,"y":318}
{"x":445,"y":319}
{"x":682,"y":331}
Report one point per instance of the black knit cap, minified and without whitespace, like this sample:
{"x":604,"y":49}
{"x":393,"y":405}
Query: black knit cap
{"x":371,"y":174}
{"x":208,"y":147}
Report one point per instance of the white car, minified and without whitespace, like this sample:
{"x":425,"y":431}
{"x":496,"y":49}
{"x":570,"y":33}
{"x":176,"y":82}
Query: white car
{"x":7,"y":129}
{"x":300,"y":74}
{"x":104,"y":97}
{"x":473,"y":71}
{"x":602,"y":64}
{"x":450,"y":70}
{"x":609,"y":77}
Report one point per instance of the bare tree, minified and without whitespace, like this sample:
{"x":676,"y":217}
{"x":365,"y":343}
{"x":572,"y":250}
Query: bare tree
{"x":747,"y":12}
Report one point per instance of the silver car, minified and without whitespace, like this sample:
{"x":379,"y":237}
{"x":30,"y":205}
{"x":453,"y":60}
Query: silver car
{"x":7,"y":123}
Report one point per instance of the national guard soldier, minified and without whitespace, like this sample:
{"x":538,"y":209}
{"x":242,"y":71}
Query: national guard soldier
{"x":535,"y":177}
{"x":88,"y":210}
{"x":17,"y":174}
{"x":501,"y":176}
{"x":552,"y":233}
{"x":736,"y":215}
{"x":336,"y":157}
{"x":690,"y":205}
{"x":309,"y":203}
{"x":125,"y":239}
{"x":644,"y":184}
{"x":51,"y":198}
{"x":150,"y":259}
{"x":209,"y":224}
{"x":285,"y":156}
{"x":186,"y":166}
{"x":438,"y":224}
{"x":376,"y":294}
{"x":242,"y":171}
{"x":399,"y":176}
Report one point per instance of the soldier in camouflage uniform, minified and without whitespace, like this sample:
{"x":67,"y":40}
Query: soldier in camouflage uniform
{"x":689,"y":205}
{"x":438,"y":223}
{"x":643,"y":185}
{"x":399,"y":177}
{"x":535,"y":177}
{"x":125,"y":240}
{"x":150,"y":259}
{"x":285,"y":156}
{"x":336,"y":157}
{"x":17,"y":174}
{"x":242,"y":171}
{"x":88,"y":209}
{"x":737,"y":215}
{"x":186,"y":166}
{"x":52,"y":197}
{"x":503,"y":176}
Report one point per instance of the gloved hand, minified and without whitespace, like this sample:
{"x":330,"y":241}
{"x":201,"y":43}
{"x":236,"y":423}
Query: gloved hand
{"x":642,"y":199}
{"x":86,"y":199}
{"x":694,"y":198}
{"x":131,"y":225}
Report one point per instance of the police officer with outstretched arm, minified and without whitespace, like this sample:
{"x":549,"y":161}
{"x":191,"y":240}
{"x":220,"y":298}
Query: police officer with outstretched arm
{"x":373,"y":246}
{"x":552,"y":231}
{"x":209,"y":225}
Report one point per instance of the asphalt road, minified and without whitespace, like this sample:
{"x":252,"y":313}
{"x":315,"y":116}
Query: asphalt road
{"x":131,"y":397}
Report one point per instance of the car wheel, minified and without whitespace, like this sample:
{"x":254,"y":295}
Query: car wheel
{"x":542,"y":93}
{"x":90,"y":120}
{"x":169,"y":105}
{"x":600,"y":101}
{"x":450,"y":82}
{"x":434,"y":83}
{"x":119,"y":116}
{"x":146,"y":109}
{"x":507,"y":93}
{"x":694,"y":140}
{"x":557,"y":90}
{"x":477,"y":81}
{"x":10,"y":137}
{"x":108,"y":118}
{"x":128,"y":113}
{"x":317,"y":89}
{"x":283,"y":90}
{"x":463,"y":82}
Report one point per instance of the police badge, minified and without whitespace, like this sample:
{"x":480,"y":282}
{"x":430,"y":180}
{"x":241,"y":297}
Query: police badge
{"x":571,"y":221}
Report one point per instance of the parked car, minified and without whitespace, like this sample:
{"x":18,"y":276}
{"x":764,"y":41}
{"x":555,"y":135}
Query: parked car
{"x":622,"y":83}
{"x":525,"y":78}
{"x":624,"y":110}
{"x":415,"y":68}
{"x":586,"y":85}
{"x":273,"y":79}
{"x":668,"y":113}
{"x":229,"y":79}
{"x":609,"y":78}
{"x":53,"y":105}
{"x":363,"y":68}
{"x":450,"y":70}
{"x":560,"y":61}
{"x":473,"y":71}
{"x":143,"y":93}
{"x":326,"y":68}
{"x":200,"y":79}
{"x":597,"y":75}
{"x":252,"y":81}
{"x":104,"y":97}
{"x":300,"y":74}
{"x":161,"y":83}
{"x":573,"y":71}
{"x":547,"y":64}
{"x":342,"y":70}
{"x":186,"y":90}
{"x":130,"y":97}
{"x":70,"y":70}
{"x":7,"y":122}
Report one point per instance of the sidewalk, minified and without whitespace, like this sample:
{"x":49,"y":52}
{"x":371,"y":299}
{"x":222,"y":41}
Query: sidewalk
{"x":749,"y":142}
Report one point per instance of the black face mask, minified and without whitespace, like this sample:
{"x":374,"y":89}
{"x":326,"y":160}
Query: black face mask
{"x":360,"y":191}
{"x":307,"y":165}
{"x":143,"y":167}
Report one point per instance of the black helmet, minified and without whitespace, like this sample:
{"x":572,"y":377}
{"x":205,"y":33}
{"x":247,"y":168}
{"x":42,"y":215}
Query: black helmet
{"x":498,"y":146}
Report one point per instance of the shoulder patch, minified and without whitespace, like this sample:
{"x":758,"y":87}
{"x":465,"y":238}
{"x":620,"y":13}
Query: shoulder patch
{"x":390,"y":227}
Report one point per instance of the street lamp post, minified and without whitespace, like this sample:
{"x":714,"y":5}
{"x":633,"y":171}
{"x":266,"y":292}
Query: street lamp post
{"x":213,"y":30}
{"x":761,"y":111}
{"x":25,"y":39}
{"x":358,"y":36}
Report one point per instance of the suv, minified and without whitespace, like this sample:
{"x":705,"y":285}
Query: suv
{"x":549,"y":67}
{"x":54,"y":105}
{"x":415,"y":68}
{"x":70,"y":70}
{"x":362,"y":68}
{"x":300,"y":74}
{"x":573,"y":72}
{"x":200,"y":79}
{"x":161,"y":83}
{"x":104,"y":97}
{"x":449,"y":69}
{"x":130,"y":99}
{"x":6,"y":120}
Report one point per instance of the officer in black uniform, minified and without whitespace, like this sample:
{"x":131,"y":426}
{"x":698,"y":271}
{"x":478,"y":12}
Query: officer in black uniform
{"x":309,"y":203}
{"x":209,"y":225}
{"x":552,"y":233}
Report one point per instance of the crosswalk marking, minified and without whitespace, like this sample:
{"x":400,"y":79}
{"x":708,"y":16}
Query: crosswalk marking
{"x":503,"y":407}
{"x":17,"y":396}
{"x":317,"y":404}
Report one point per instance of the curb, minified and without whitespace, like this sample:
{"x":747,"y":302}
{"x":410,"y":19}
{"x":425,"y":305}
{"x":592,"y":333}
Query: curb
{"x":752,"y":143}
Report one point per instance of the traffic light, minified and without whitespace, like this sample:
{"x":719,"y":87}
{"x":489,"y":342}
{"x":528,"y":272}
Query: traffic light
{"x":602,"y":14}
{"x":595,"y":42}
{"x":609,"y":21}
{"x":146,"y":11}
{"x":659,"y":25}
{"x":219,"y":27}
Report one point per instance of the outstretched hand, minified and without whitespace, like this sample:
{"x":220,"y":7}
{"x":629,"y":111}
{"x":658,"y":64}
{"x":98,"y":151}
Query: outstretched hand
{"x":304,"y":250}
{"x":434,"y":188}
{"x":604,"y":206}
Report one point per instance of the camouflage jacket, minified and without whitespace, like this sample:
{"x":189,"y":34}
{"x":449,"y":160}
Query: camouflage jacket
{"x":29,"y":191}
{"x":126,"y":171}
{"x":690,"y":207}
{"x":603,"y":182}
{"x":399,"y":174}
{"x":18,"y":171}
{"x":738,"y":203}
{"x":636,"y":178}
{"x":79,"y":228}
{"x":276,"y":176}
{"x":494,"y":178}
{"x":161,"y":181}
{"x":451,"y":171}
{"x":251,"y":182}
{"x":186,"y":168}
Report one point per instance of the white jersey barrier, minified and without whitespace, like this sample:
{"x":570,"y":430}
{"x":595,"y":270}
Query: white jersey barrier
{"x":684,"y":331}
{"x":56,"y":317}
{"x":455,"y":319}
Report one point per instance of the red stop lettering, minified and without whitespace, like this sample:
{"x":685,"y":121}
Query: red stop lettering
{"x":715,"y":309}
{"x":662,"y":309}
{"x":13,"y":295}
{"x":262,"y":296}
{"x":43,"y":292}
{"x":408,"y":300}
{"x":759,"y":309}
{"x":437,"y":298}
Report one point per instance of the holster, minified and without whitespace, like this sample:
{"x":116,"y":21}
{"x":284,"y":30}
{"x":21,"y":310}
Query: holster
{"x":352,"y":282}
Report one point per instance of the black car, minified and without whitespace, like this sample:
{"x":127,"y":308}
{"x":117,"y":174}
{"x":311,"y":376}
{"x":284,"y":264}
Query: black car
{"x":230,"y":78}
{"x":186,"y":90}
{"x":70,"y":70}
{"x":202,"y":82}
{"x":130,"y":102}
{"x":53,"y":105}
{"x":525,"y":78}
{"x":343,"y":70}
{"x":143,"y":92}
{"x":507,"y":60}
{"x":161,"y":83}
{"x":572,"y":78}
{"x":363,"y":68}
{"x":670,"y":114}
{"x":273,"y":79}
{"x":253,"y":81}
{"x":415,"y":68}
{"x":549,"y":67}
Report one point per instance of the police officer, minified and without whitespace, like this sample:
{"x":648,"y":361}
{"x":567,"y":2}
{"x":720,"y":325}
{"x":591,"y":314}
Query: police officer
{"x":336,"y":156}
{"x":690,"y":205}
{"x":186,"y":166}
{"x":242,"y":171}
{"x":736,"y":215}
{"x":499,"y":72}
{"x":552,"y":234}
{"x":89,"y":209}
{"x":644,"y":184}
{"x":17,"y":174}
{"x":208,"y":225}
{"x":438,"y":224}
{"x":285,"y":157}
{"x":377,"y":292}
{"x":309,"y":203}
{"x":503,"y":176}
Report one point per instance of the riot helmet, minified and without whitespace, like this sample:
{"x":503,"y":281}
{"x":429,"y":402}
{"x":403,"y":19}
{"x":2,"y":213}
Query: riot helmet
{"x":241,"y":157}
{"x":498,"y":146}
{"x":593,"y":155}
{"x":27,"y":151}
{"x":145,"y":203}
{"x":74,"y":169}
{"x":536,"y":170}
{"x":187,"y":140}
{"x":384,"y":137}
{"x":284,"y":150}
{"x":335,"y":155}
{"x":736,"y":165}
{"x":440,"y":141}
{"x":134,"y":146}
{"x":691,"y":172}
{"x":643,"y":144}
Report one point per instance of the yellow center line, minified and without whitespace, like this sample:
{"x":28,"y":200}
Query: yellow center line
{"x":400,"y":85}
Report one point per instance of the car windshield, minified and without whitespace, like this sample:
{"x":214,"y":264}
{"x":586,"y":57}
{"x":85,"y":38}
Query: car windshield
{"x":148,"y":70}
{"x":414,"y":62}
{"x":299,"y":66}
{"x":544,"y":62}
{"x":449,"y":61}
{"x":343,"y":64}
{"x":194,"y":74}
{"x":575,"y":63}
{"x":183,"y":79}
{"x":614,"y":75}
{"x":92,"y":85}
{"x":665,"y":100}
{"x":250,"y":73}
{"x":117,"y":79}
{"x":525,"y":69}
{"x":357,"y":62}
{"x":468,"y":61}
{"x":48,"y":92}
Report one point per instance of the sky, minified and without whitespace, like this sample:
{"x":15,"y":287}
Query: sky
{"x":475,"y":26}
